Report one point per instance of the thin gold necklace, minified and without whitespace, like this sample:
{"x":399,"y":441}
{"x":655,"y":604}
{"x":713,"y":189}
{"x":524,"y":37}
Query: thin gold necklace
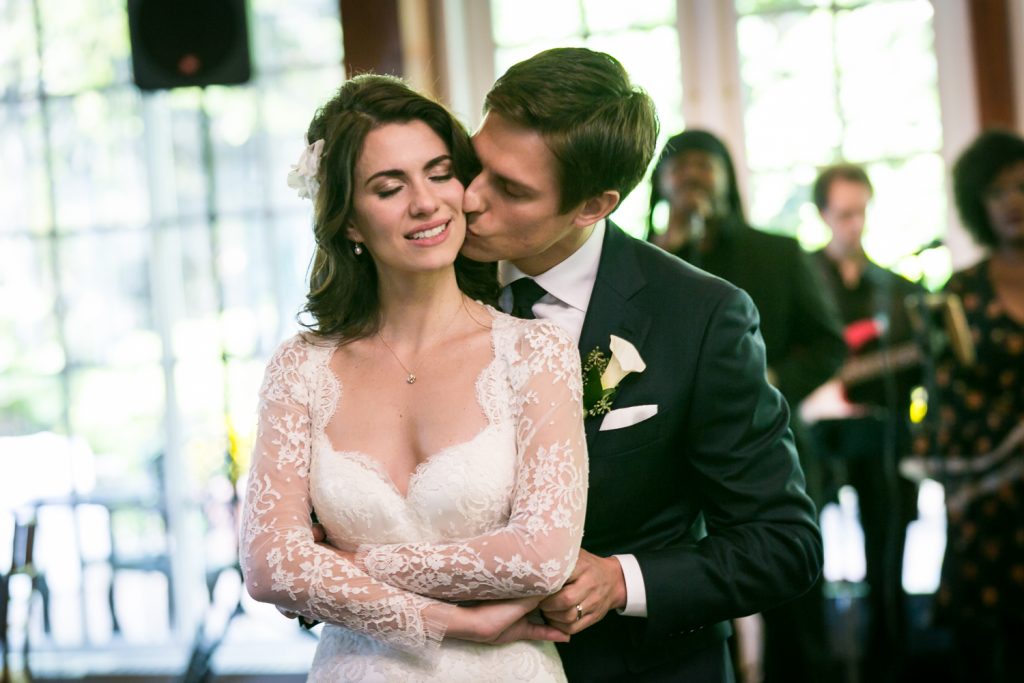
{"x":410,"y":375}
{"x":411,"y":379}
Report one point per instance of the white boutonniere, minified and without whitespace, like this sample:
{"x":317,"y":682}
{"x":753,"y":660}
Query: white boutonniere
{"x":302,"y":177}
{"x":602,"y":375}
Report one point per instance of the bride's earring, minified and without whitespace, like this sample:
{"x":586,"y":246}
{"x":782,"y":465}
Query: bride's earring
{"x":357,"y":249}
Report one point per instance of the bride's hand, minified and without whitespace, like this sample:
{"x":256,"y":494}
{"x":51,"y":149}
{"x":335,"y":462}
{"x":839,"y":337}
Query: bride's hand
{"x":501,"y":621}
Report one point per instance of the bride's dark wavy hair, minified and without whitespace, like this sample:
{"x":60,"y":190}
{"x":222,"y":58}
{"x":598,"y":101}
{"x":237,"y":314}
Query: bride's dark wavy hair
{"x":343,"y":297}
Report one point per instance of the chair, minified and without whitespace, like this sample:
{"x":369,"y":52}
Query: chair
{"x":21,"y":563}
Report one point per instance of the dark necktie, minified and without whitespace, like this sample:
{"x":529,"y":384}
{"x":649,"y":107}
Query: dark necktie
{"x":525,"y":293}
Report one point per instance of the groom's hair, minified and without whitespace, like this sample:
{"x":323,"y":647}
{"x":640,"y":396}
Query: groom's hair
{"x":600,"y":127}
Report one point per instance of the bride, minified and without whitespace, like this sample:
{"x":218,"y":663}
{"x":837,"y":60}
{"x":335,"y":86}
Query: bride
{"x":439,"y":441}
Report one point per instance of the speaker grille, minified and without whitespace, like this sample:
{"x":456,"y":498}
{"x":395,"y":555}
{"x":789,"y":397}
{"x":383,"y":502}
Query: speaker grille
{"x":180,"y":43}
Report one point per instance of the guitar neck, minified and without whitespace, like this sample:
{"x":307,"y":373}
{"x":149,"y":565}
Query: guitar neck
{"x":873,"y":365}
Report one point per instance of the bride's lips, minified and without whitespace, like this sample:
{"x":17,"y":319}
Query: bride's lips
{"x":429,"y":234}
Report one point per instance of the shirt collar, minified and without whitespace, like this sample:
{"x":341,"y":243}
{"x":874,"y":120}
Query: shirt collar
{"x":570,"y":281}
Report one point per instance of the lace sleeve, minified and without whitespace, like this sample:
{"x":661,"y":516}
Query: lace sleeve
{"x":280,"y":561}
{"x":535,"y":552}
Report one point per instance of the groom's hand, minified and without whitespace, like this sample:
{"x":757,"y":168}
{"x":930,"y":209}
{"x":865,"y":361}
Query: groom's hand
{"x":596,"y":585}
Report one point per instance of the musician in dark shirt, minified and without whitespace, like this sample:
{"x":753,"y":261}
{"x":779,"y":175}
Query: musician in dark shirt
{"x":865,"y":431}
{"x":707,"y":227}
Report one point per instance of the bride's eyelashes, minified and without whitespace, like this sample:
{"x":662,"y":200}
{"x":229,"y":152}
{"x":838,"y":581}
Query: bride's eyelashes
{"x":441,"y":172}
{"x":388,"y":192}
{"x":391,"y":191}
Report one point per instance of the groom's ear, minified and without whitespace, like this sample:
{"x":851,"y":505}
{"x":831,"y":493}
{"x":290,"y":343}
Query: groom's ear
{"x":596,"y":208}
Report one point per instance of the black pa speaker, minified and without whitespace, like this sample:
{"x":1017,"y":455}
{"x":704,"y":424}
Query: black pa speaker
{"x":180,"y":43}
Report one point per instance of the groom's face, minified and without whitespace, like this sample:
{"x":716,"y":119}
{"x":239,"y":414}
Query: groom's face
{"x":512,"y":207}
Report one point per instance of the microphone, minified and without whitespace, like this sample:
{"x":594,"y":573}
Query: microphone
{"x":697,"y":226}
{"x":694,"y":244}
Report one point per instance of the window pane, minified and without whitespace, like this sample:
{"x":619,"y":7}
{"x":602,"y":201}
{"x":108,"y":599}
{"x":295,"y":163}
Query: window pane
{"x":294,"y":247}
{"x":897,"y":227}
{"x":653,"y":62}
{"x":245,"y":378}
{"x":263,"y":290}
{"x":889,"y":91}
{"x":29,"y":342}
{"x":287,"y":35}
{"x":549,"y":22}
{"x":205,"y":449}
{"x":780,"y":201}
{"x":100,"y":173}
{"x":120,"y":413}
{"x":187,"y":276}
{"x":30,"y":404}
{"x":107,"y":289}
{"x":504,"y":57}
{"x":201,"y":399}
{"x":608,"y":15}
{"x":754,"y":6}
{"x":19,"y":64}
{"x":23,"y":193}
{"x":189,"y":170}
{"x":236,"y":148}
{"x":790,"y":84}
{"x":85,"y":44}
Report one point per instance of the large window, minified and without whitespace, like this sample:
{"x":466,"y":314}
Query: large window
{"x":151,"y":257}
{"x":845,"y":81}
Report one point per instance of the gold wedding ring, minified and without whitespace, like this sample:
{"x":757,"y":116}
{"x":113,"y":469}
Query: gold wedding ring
{"x":579,"y":612}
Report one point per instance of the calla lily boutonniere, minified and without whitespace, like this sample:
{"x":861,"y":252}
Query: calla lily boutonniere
{"x":602,"y":375}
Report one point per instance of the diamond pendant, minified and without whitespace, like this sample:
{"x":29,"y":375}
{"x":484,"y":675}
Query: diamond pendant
{"x":411,"y":379}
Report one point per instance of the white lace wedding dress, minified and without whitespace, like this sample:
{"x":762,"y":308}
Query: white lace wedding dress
{"x":497,"y":516}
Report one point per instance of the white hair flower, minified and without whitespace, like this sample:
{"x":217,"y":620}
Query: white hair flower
{"x":302,"y":177}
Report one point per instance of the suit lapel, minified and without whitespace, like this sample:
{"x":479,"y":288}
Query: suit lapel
{"x":610,"y":310}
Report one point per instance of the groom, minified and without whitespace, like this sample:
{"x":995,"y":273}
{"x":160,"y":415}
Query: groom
{"x":697,"y":512}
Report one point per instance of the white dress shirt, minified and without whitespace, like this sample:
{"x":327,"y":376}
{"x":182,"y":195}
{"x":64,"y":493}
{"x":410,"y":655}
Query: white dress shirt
{"x":569,"y":285}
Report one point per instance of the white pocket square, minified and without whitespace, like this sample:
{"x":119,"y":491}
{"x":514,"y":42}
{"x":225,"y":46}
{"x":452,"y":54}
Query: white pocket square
{"x":627,"y":417}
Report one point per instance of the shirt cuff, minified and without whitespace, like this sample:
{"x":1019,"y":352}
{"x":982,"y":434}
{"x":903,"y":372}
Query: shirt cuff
{"x":636,"y":594}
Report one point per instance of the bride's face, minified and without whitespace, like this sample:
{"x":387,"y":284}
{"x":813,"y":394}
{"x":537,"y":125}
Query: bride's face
{"x":407,"y":202}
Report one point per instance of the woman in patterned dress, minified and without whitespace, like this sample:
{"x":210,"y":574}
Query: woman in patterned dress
{"x":979,"y":438}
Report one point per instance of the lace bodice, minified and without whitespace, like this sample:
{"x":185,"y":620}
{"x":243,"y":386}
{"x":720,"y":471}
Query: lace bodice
{"x":499,"y":515}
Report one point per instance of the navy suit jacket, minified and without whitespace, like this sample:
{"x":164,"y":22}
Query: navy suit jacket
{"x":707,"y":494}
